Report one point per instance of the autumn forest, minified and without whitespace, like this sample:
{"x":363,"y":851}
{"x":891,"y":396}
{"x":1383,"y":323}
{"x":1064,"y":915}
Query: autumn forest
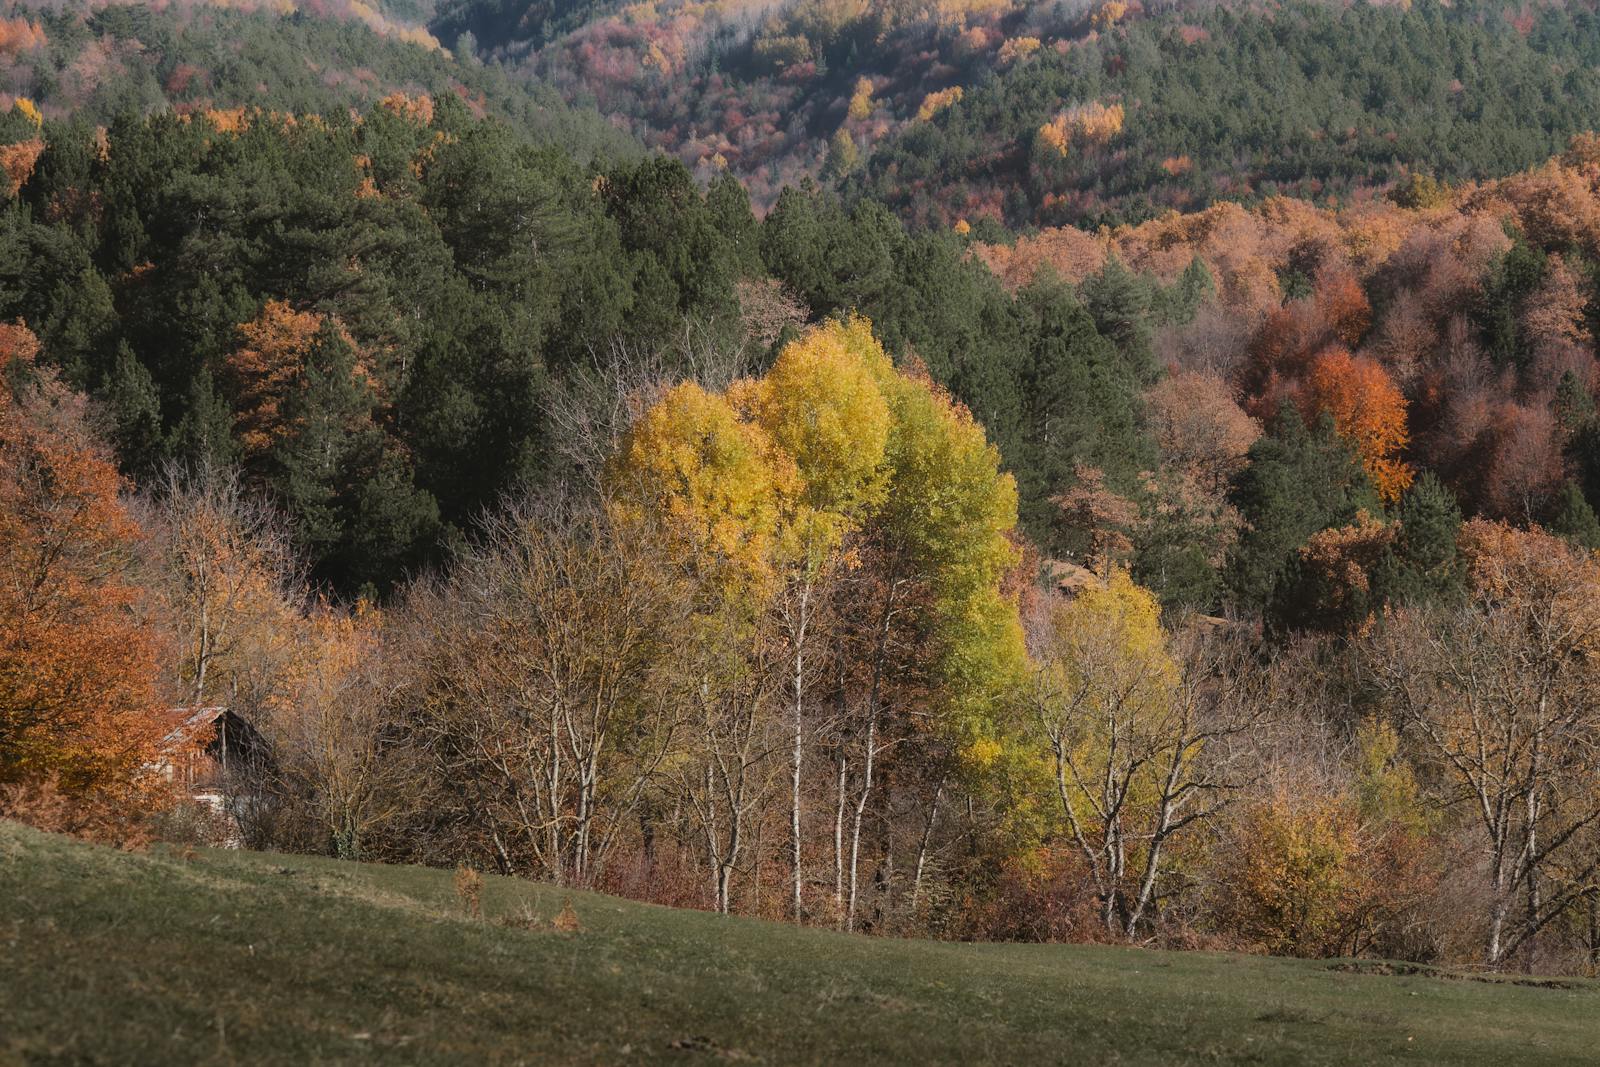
{"x":980,"y":471}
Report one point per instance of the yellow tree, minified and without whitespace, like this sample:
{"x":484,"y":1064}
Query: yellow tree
{"x":822,"y":403}
{"x":1128,"y":726}
{"x":836,"y":457}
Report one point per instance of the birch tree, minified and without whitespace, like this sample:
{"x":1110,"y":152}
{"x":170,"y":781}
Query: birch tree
{"x":1139,"y":740}
{"x":1502,"y":694}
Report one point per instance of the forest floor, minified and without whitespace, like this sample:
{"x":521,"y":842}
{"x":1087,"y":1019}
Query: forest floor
{"x":235,"y":957}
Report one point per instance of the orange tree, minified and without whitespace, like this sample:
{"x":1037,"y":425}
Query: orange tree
{"x":79,"y":703}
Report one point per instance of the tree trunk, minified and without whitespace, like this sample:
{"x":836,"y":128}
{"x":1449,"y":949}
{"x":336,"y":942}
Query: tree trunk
{"x":799,"y":752}
{"x":860,"y":811}
{"x":922,"y":846}
{"x":838,"y":839}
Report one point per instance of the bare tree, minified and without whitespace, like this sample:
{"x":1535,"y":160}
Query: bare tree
{"x":549,"y":693}
{"x":221,"y":561}
{"x":726,"y":770}
{"x":592,"y":407}
{"x":1502,"y":694}
{"x":1141,"y":742}
{"x":334,"y":766}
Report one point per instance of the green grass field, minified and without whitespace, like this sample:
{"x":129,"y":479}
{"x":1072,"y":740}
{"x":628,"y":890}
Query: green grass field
{"x":107,"y":957}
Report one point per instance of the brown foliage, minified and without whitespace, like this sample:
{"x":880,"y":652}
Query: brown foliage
{"x":1338,"y":565}
{"x":1097,"y":517}
{"x":1198,"y":427}
{"x":469,"y":891}
{"x":78,"y":674}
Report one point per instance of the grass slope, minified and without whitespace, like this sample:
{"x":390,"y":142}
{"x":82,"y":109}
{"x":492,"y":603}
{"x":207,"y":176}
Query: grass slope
{"x":241,"y":957}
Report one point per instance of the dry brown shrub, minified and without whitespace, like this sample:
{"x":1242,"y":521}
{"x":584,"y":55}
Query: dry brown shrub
{"x":94,"y":817}
{"x":469,"y":891}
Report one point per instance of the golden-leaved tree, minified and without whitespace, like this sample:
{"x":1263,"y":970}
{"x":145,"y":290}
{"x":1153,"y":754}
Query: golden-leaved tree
{"x":1135,"y":734}
{"x":837,"y":478}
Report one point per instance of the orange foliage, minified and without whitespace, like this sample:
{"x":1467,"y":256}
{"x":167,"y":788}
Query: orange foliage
{"x":79,"y":704}
{"x":1369,"y":412}
{"x":226,"y":120}
{"x":1344,"y":307}
{"x":264,"y":369}
{"x":17,"y":161}
{"x":1091,"y":123}
{"x":19,"y":35}
{"x":418,"y":109}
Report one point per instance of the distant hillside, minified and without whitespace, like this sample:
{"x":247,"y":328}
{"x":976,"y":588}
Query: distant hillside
{"x":248,"y":957}
{"x":96,"y":61}
{"x":1312,"y":100}
{"x":1048,"y":113}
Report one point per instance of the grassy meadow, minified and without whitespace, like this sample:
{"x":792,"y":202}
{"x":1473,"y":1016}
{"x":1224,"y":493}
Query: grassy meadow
{"x":238,"y":957}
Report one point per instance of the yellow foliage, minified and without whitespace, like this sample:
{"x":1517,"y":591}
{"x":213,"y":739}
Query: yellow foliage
{"x":861,"y":101}
{"x":821,"y":403}
{"x":963,"y":227}
{"x":716,"y":480}
{"x":1109,"y":15}
{"x":1091,"y":123}
{"x":1296,"y":877}
{"x":934,"y":103}
{"x":1018,"y":48}
{"x":984,"y":751}
{"x":656,"y":59}
{"x":1126,"y":613}
{"x":28,"y":110}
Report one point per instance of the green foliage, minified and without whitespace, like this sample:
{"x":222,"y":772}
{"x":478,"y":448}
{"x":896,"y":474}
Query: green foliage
{"x":1574,"y":520}
{"x":1301,"y":479}
{"x":1317,"y":100}
{"x":486,"y":990}
{"x":1049,"y":387}
{"x":1511,"y":280}
{"x":1421,"y":567}
{"x":466,"y":264}
{"x":146,"y":60}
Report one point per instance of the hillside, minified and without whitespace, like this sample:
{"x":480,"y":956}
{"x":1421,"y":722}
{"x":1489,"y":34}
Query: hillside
{"x":1029,"y":113}
{"x":223,"y":957}
{"x":102,"y":61}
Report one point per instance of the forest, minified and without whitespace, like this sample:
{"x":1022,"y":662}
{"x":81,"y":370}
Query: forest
{"x":1219,"y":579}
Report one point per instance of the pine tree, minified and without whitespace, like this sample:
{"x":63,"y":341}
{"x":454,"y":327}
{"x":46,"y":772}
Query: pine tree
{"x":1422,"y":567}
{"x":1120,"y":302}
{"x":135,"y":407}
{"x":1574,"y":520}
{"x":1301,"y":479}
{"x":1193,"y":288}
